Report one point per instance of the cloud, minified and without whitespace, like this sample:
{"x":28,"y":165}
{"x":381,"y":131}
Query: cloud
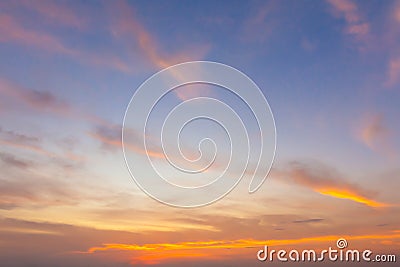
{"x":34,"y":144}
{"x":42,"y":101}
{"x":393,"y":71}
{"x":56,"y":244}
{"x":314,"y":220}
{"x":22,"y":141}
{"x":56,"y":12}
{"x":11,"y":160}
{"x":110,"y":137}
{"x":374,"y":134}
{"x":356,"y":25}
{"x":39,"y":243}
{"x":397,"y":12}
{"x":38,"y":100}
{"x":17,"y":137}
{"x":158,"y":252}
{"x":327,"y":182}
{"x":309,"y":45}
{"x":125,"y":26}
{"x":260,"y":24}
{"x":34,"y":191}
{"x":12,"y":31}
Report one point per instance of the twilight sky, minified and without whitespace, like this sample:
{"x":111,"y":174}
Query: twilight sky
{"x":329,"y":69}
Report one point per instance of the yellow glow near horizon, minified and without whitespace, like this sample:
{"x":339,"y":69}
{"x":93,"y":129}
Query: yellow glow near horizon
{"x":344,"y":194}
{"x":156,"y":252}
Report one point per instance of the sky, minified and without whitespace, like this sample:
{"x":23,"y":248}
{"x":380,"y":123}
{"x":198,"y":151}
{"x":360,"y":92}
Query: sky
{"x":330,"y":71}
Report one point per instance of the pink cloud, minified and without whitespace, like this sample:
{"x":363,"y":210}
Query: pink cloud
{"x":374,"y":134}
{"x":125,"y":25}
{"x":393,"y":72}
{"x":56,"y":12}
{"x":356,"y":25}
{"x":12,"y":31}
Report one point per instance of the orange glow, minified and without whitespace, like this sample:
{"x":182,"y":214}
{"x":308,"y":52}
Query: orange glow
{"x":345,"y":194}
{"x":154,"y":253}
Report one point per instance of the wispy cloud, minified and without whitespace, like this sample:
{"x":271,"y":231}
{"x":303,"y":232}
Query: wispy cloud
{"x":22,"y":141}
{"x":56,"y":12}
{"x":374,"y":134}
{"x":328,"y":182}
{"x":125,"y":26}
{"x":356,"y":24}
{"x":110,"y":137}
{"x":260,"y":24}
{"x":13,"y":30}
{"x":34,"y":144}
{"x":11,"y":160}
{"x":314,"y":220}
{"x":39,"y":191}
{"x":39,"y":100}
{"x":393,"y":72}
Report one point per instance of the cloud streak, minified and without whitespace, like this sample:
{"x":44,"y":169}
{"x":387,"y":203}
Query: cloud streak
{"x":56,"y":12}
{"x":110,"y":137}
{"x":33,"y":144}
{"x":13,"y":31}
{"x":215,"y":248}
{"x":11,"y":160}
{"x":126,"y":26}
{"x":327,"y":182}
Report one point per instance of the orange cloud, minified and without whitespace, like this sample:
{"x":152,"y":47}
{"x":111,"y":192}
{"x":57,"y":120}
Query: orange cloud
{"x":157,"y":252}
{"x":344,"y":194}
{"x":327,"y":182}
